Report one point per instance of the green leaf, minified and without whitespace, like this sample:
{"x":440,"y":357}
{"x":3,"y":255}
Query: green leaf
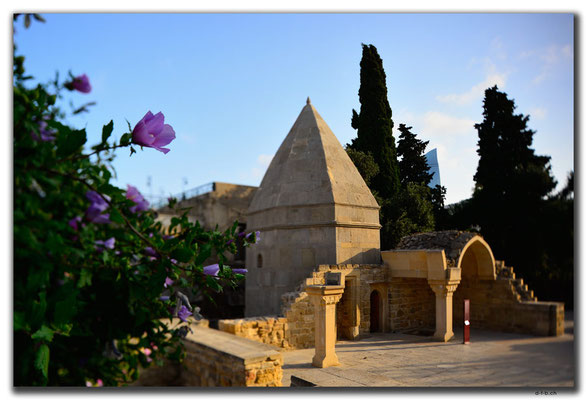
{"x":125,"y":139}
{"x":115,"y":216}
{"x":70,"y":142}
{"x":65,"y":309}
{"x":107,"y":131}
{"x":85,"y":278}
{"x":44,"y":333}
{"x":20,"y":322}
{"x":205,"y":252}
{"x":182,"y":254}
{"x":213,"y":284}
{"x":38,"y":308}
{"x":42,"y":360}
{"x":63,"y":329}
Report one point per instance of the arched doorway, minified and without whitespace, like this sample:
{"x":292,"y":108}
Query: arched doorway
{"x":477,"y":265}
{"x":375,"y":301}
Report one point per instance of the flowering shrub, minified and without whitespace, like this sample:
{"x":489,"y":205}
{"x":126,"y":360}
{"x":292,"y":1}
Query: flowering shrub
{"x":100,"y":289}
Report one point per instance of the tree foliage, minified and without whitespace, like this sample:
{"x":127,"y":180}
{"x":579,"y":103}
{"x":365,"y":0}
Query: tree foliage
{"x":364,"y":162}
{"x":525,"y":227}
{"x":400,"y":188}
{"x":374,"y":124}
{"x":413,"y":166}
{"x":511,"y":182}
{"x":100,"y":287}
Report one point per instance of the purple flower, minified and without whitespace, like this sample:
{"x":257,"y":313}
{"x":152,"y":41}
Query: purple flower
{"x":212,"y":269}
{"x":183,"y":313}
{"x":97,"y":205}
{"x":105,"y":244}
{"x":81,"y":84}
{"x":168,"y":282}
{"x":164,"y":298}
{"x":257,"y":236}
{"x":46,"y":135}
{"x":239,"y":271}
{"x":74,"y":223}
{"x":132,"y":193}
{"x":151,"y":131}
{"x":150,"y":251}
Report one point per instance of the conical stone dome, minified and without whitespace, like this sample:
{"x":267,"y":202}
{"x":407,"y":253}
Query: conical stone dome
{"x":311,"y":167}
{"x":312,"y":207}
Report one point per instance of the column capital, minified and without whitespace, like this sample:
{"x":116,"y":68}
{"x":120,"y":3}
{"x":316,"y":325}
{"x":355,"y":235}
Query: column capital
{"x":443,"y":287}
{"x":325,"y":294}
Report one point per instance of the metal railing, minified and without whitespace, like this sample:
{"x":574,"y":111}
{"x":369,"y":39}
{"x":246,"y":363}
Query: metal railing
{"x":187,"y":194}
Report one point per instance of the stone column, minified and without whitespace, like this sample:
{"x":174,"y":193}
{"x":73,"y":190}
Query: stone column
{"x":443,"y":289}
{"x":325,"y":298}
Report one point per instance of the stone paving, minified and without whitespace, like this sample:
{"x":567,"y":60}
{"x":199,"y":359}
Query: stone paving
{"x":492,"y":359}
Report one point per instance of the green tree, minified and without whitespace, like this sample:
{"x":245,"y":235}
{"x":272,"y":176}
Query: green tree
{"x":408,"y":212}
{"x":400,"y":189}
{"x":99,"y":285}
{"x":365,"y":164}
{"x":555,"y":277}
{"x":374,"y":124}
{"x":413,"y":166}
{"x":511,"y":185}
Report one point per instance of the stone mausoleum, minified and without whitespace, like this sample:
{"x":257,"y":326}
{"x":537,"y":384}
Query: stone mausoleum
{"x":311,"y":208}
{"x":320,"y":223}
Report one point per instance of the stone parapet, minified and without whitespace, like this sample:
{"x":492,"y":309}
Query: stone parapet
{"x":269,"y":330}
{"x":216,"y":358}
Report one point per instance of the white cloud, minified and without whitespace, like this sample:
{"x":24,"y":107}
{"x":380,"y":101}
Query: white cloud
{"x":187,"y":137}
{"x":498,"y":47}
{"x":476,"y":92}
{"x":436,"y":123}
{"x":263,"y":161}
{"x":552,"y":56}
{"x":455,"y":140}
{"x":538,"y":112}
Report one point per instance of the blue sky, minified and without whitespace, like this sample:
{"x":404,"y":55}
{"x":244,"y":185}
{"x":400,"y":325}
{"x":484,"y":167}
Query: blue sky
{"x":232,"y":85}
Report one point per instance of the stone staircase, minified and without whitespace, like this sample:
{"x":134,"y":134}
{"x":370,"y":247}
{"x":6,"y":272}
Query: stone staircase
{"x":507,"y":273}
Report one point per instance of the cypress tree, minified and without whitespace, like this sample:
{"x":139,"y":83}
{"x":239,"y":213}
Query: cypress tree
{"x":511,"y":185}
{"x":374,"y":124}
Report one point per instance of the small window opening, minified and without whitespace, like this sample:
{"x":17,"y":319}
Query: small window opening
{"x":259,"y":261}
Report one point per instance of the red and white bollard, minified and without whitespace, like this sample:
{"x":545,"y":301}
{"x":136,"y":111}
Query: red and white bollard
{"x":467,"y":323}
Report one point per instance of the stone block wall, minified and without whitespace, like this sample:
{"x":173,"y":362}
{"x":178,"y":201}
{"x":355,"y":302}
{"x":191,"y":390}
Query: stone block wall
{"x":412,"y":305}
{"x":216,"y":358}
{"x":497,"y":305}
{"x":295,"y":329}
{"x":370,"y":277}
{"x":269,"y":330}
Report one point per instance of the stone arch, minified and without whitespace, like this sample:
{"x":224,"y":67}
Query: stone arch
{"x":476,"y":260}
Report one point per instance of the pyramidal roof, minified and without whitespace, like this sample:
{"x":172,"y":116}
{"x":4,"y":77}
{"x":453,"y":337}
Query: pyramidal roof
{"x":311,"y":167}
